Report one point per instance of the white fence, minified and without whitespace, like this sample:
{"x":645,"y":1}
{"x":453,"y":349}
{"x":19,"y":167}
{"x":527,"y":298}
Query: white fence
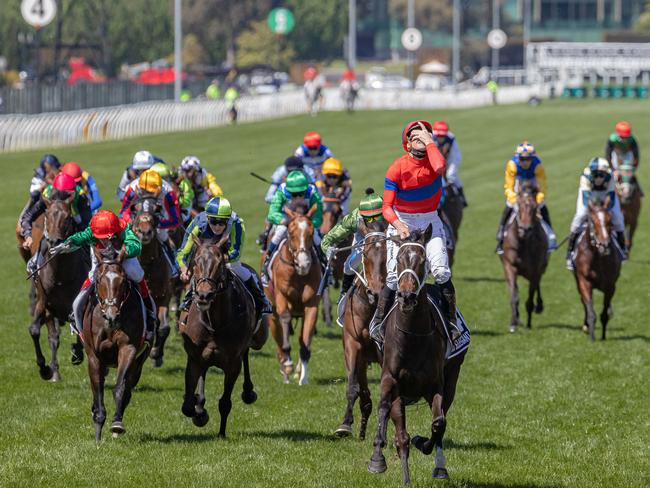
{"x":21,"y":132}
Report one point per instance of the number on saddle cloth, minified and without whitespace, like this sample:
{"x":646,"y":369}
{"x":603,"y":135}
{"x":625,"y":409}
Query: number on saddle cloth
{"x":461,"y":344}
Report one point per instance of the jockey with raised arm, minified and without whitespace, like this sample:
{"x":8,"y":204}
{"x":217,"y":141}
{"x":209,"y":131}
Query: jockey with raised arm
{"x":412,"y":191}
{"x":597,"y":183}
{"x":313,"y":152}
{"x":151,"y":185}
{"x":334,"y":175}
{"x":203,"y":182}
{"x":447,"y":144}
{"x":296,"y":186}
{"x":142,"y":160}
{"x":87,"y":183}
{"x":217,"y":220}
{"x":525,"y":166}
{"x":369,"y":210}
{"x":621,"y":143}
{"x":107,"y":229}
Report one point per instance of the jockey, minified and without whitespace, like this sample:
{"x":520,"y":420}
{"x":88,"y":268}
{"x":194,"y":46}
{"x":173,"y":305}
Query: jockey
{"x":43,"y":176}
{"x":624,"y":142}
{"x":524,"y":166}
{"x":86,"y":182}
{"x":151,"y":185}
{"x":412,"y":191}
{"x":218,"y":219}
{"x":296,"y":186}
{"x":278,"y":177}
{"x":142,"y":160}
{"x":204,"y":184}
{"x":335,"y":175}
{"x":107,"y":229}
{"x":186,"y":194}
{"x":596,"y":182}
{"x":312,"y":152}
{"x":369,"y":210}
{"x":448,"y":146}
{"x":62,"y":188}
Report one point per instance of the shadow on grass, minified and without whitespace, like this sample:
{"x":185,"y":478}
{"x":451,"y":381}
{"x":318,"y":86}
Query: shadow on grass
{"x":473,"y":446}
{"x":332,"y":380}
{"x":480,"y":279}
{"x":293,"y":435}
{"x":179,"y":438}
{"x":486,"y":333}
{"x":630,"y":338}
{"x":491,"y":484}
{"x":561,"y":326}
{"x":172,"y":370}
{"x":327,"y":333}
{"x":259,"y":354}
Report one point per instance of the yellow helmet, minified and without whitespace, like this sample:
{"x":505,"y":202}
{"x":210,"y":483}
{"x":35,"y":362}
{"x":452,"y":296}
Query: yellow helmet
{"x":332,"y":166}
{"x":150,"y":181}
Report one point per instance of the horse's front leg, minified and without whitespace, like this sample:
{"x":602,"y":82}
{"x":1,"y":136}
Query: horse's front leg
{"x":306,"y":335}
{"x":351,"y":349}
{"x":585,"y":289}
{"x":398,"y":415}
{"x":125,"y":359}
{"x":511,"y":279}
{"x":530,"y":302}
{"x":201,"y":416}
{"x":162,"y":332}
{"x":248,"y":396}
{"x":377,"y":462}
{"x":96,"y":374}
{"x":438,"y":427}
{"x":607,"y":310}
{"x":281,"y":335}
{"x":35,"y":333}
{"x":193,"y":371}
{"x":53,"y":331}
{"x":225,"y":402}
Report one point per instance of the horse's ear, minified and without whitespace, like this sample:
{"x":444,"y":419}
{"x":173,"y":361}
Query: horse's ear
{"x":68,"y":201}
{"x":46,"y":201}
{"x":196,"y":239}
{"x":122,"y":255}
{"x":607,"y":202}
{"x":97,"y":253}
{"x":290,"y":213}
{"x":312,"y":210}
{"x":427,"y":233}
{"x":590,"y":204}
{"x":223,"y":244}
{"x":363,"y":227}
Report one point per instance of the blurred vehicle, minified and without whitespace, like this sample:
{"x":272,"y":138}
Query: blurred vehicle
{"x":427,"y":82}
{"x":379,"y":78}
{"x":81,"y":71}
{"x":265,"y":82}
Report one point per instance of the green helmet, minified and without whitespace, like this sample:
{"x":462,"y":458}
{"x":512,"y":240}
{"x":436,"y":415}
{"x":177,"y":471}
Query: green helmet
{"x":163,"y":170}
{"x":297,"y":182}
{"x":218,"y":207}
{"x":370,"y":205}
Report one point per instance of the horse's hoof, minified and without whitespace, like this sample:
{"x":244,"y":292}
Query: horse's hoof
{"x":155,"y":352}
{"x":77,"y":354}
{"x":343,"y":431}
{"x":585,"y":329}
{"x":377,"y":466}
{"x":188,"y":410}
{"x":440,"y":473}
{"x":117,"y":428}
{"x":201,"y":419}
{"x":418,"y":442}
{"x":46,"y":373}
{"x":539,"y":308}
{"x":248,"y":397}
{"x":157,"y":362}
{"x":513,"y":329}
{"x":56,"y":377}
{"x":287,"y":367}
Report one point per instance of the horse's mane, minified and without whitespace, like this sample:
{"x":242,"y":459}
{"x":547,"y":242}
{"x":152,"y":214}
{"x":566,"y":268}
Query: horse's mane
{"x":299,"y":206}
{"x":109,"y":253}
{"x":59,"y":196}
{"x":379,"y":225}
{"x":528,"y":187}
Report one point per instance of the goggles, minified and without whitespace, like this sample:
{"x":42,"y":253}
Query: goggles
{"x":217,"y":221}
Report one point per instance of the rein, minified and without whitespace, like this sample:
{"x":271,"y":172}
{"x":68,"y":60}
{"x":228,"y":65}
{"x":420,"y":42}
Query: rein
{"x":112,"y":301}
{"x":362,"y":277}
{"x":602,"y":249}
{"x":420,"y":282}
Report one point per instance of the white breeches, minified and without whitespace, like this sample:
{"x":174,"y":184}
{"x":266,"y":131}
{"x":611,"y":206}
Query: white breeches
{"x":242,"y":272}
{"x":280,"y":233}
{"x":131,"y":267}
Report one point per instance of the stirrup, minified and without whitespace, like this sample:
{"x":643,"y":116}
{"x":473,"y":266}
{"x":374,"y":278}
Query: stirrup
{"x":569,"y":264}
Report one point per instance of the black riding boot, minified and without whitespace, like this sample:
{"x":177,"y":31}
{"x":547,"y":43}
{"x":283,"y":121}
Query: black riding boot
{"x":461,"y":192}
{"x":151,"y":319}
{"x":262,"y":304}
{"x":345,"y":286}
{"x":264,"y":237}
{"x":77,"y":352}
{"x":620,"y":238}
{"x":170,"y":257}
{"x":502,"y":225}
{"x":569,"y":251}
{"x":321,"y":256}
{"x":449,"y":295}
{"x":547,"y":218}
{"x":377,"y":326}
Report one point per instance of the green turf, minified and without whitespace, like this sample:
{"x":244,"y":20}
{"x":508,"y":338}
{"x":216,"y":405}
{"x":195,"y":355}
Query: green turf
{"x":538,"y":408}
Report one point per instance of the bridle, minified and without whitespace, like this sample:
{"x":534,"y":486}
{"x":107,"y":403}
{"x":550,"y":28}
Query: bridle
{"x":112,"y":302}
{"x":420,"y":281}
{"x":362,"y":275}
{"x":218,"y":285}
{"x":602,"y":248}
{"x":67,"y":228}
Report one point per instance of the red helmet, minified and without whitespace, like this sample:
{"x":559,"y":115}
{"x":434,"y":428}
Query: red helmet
{"x":440,"y":128}
{"x":72,"y":169}
{"x":64,"y":182}
{"x":623,"y":129}
{"x":412,"y":125}
{"x":310,"y":73}
{"x":105,"y":224}
{"x":349,"y":75}
{"x":312,"y":139}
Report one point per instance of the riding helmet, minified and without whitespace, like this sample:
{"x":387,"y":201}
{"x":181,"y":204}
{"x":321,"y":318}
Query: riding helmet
{"x":218,"y":207}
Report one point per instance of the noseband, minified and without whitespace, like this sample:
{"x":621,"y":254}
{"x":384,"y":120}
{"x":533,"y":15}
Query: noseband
{"x":420,"y":281}
{"x":362,"y":277}
{"x":110,"y":302}
{"x":602,"y":248}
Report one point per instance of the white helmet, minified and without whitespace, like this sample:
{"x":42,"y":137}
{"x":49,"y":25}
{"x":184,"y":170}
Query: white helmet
{"x":190,"y":162}
{"x":600,"y":165}
{"x":142,"y":160}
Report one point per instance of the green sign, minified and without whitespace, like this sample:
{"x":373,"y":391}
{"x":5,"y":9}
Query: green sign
{"x":281,"y":20}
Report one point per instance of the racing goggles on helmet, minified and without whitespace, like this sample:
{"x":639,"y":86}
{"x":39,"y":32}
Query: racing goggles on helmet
{"x":217,"y":221}
{"x":313,"y":148}
{"x":298,"y":194}
{"x":599,"y":174}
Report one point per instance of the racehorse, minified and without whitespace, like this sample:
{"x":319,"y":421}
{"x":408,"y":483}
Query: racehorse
{"x":360,"y":306}
{"x":597,"y":265}
{"x":629,"y":194}
{"x":451,"y":213}
{"x":56,"y":284}
{"x":296,"y":274}
{"x":332,"y":213}
{"x":414,"y":360}
{"x":113,"y":336}
{"x":156,"y":271}
{"x":525,"y":247}
{"x":219,"y":330}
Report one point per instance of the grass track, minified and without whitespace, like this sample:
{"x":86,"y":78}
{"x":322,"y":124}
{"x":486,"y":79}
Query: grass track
{"x":536,"y":409}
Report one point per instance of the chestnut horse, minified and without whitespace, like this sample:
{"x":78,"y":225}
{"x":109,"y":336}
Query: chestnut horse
{"x":113,"y":336}
{"x":525,"y":247}
{"x":56,"y":284}
{"x":597,"y":265}
{"x":296,"y":274}
{"x":629,"y":193}
{"x":156,"y":271}
{"x":219,"y":330}
{"x":414,"y":360}
{"x":332,"y":213}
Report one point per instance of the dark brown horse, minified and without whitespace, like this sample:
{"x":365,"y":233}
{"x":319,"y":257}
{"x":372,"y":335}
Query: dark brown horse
{"x":525,"y":247}
{"x":451,"y":212}
{"x":360,"y":350}
{"x":56,"y":284}
{"x":629,"y":193}
{"x":219,"y":330}
{"x":332,"y":213}
{"x":113,"y":336}
{"x":414,"y":360}
{"x":597,"y":265}
{"x":296,"y":274}
{"x":156,"y":271}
